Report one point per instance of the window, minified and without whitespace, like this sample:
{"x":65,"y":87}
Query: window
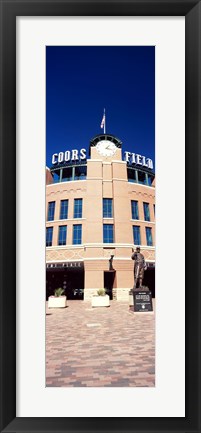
{"x":154,"y":209}
{"x":80,"y":172}
{"x":64,"y":209}
{"x":146,"y":211}
{"x":142,"y":177}
{"x":149,"y":236}
{"x":150,"y":179}
{"x":107,"y":208}
{"x":136,"y":235}
{"x":67,"y":174}
{"x":51,"y":208}
{"x":49,"y":232}
{"x":131,"y":175}
{"x":108,"y":233}
{"x":78,"y":208}
{"x":134,"y":209}
{"x":77,"y":234}
{"x":62,"y":235}
{"x":56,"y":176}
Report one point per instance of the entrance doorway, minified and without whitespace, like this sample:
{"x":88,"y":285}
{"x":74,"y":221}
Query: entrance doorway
{"x":72,"y":281}
{"x":109,"y":282}
{"x":149,"y":280}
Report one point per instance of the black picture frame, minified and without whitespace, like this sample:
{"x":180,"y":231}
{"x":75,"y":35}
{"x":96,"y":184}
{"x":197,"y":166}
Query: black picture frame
{"x":191,"y":9}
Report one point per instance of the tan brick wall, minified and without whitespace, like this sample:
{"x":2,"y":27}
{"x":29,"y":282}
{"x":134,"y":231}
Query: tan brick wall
{"x":106,"y":178}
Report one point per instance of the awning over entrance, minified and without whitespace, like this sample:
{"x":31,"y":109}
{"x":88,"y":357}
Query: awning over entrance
{"x":67,"y":275}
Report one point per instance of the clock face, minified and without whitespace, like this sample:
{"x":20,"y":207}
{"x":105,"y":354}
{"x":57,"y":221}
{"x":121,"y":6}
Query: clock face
{"x":106,"y":148}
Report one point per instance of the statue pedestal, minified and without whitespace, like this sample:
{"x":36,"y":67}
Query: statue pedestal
{"x":142,"y":300}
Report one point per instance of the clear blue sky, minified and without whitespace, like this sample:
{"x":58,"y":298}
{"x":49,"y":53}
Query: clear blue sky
{"x":81,"y":81}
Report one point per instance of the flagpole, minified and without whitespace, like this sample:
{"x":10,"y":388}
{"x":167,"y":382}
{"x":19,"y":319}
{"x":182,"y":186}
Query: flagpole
{"x":104,"y":123}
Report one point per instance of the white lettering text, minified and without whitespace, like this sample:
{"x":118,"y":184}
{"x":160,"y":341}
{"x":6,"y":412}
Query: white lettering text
{"x":74,"y":156}
{"x":54,"y":158}
{"x":127,"y":156}
{"x":83,"y":154}
{"x":67,"y":155}
{"x":138,"y":157}
{"x":61,"y":157}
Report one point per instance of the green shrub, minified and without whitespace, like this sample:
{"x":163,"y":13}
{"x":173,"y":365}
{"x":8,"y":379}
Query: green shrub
{"x":58,"y":292}
{"x":101,"y":292}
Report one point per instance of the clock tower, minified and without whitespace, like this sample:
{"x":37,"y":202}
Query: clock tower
{"x":106,"y":180}
{"x":106,"y":147}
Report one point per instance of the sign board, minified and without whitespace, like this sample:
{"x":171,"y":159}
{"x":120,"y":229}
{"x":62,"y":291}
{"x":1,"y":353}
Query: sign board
{"x":142,"y":301}
{"x":65,"y":265}
{"x":69,"y":156}
{"x":136,"y":159}
{"x":75,"y":155}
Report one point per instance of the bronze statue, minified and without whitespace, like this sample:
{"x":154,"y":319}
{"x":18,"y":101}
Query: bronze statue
{"x":110,"y":263}
{"x":139,"y":267}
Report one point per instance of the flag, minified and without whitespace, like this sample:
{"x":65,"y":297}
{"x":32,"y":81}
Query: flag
{"x":103,"y":121}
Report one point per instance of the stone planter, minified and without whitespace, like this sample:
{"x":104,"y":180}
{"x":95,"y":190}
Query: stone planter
{"x":57,"y":302}
{"x":100,"y":301}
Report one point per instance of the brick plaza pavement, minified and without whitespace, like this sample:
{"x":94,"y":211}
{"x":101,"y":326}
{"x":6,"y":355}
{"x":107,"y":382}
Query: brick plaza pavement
{"x":99,"y":347}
